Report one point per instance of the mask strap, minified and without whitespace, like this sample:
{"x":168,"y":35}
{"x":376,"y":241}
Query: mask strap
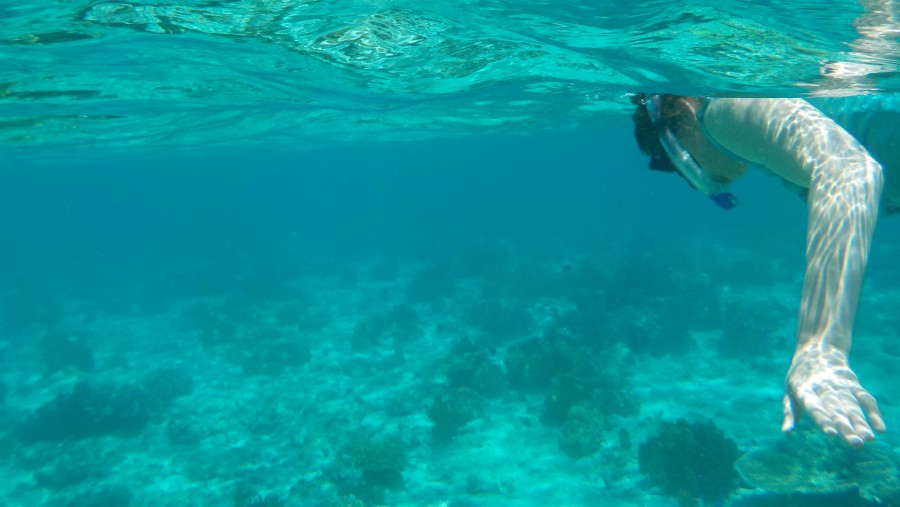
{"x":686,"y":165}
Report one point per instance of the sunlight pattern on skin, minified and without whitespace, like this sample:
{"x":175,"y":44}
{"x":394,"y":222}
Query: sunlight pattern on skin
{"x":798,"y":142}
{"x":844,"y":192}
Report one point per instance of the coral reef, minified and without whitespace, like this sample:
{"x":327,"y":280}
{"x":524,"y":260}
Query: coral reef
{"x":659,"y":272}
{"x":168,"y":384}
{"x":813,"y":465}
{"x":642,"y":302}
{"x":489,"y":379}
{"x":497,"y":321}
{"x":451,"y":409}
{"x":750,"y":328}
{"x":534,"y":363}
{"x":379,"y":461}
{"x":365,"y":467}
{"x":88,"y":411}
{"x":368,"y":332}
{"x":273,"y":357}
{"x":581,"y":434}
{"x":646,"y":325}
{"x":655,"y":327}
{"x":690,"y":461}
{"x":60,"y":466}
{"x":471,"y":367}
{"x":570,"y":374}
{"x":588,"y":323}
{"x":614,"y":394}
{"x":563,"y":395}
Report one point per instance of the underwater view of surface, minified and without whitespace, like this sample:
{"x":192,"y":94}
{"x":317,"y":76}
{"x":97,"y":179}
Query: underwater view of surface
{"x":322,"y":254}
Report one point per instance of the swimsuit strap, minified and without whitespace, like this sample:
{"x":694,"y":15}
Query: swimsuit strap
{"x":794,"y":188}
{"x":737,"y":158}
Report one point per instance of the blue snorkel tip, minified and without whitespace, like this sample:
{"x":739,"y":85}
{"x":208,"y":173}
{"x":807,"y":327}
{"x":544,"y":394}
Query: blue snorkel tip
{"x":683,"y":161}
{"x":724,"y":200}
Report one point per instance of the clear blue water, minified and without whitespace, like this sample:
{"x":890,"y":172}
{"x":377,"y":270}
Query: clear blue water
{"x":103,"y":75}
{"x":316,"y":253}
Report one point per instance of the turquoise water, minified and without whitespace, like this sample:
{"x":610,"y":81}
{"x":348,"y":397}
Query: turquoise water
{"x":106,"y":76}
{"x":264,"y":253}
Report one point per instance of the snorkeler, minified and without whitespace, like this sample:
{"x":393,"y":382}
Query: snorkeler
{"x":713,"y":141}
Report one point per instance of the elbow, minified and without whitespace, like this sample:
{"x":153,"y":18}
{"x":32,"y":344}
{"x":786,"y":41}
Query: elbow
{"x":872,"y":180}
{"x":876,"y":176}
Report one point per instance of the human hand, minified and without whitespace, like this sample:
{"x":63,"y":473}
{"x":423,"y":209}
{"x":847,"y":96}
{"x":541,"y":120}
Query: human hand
{"x":821,"y":382}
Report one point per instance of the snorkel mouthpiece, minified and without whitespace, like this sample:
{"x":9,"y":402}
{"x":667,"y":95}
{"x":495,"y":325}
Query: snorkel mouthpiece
{"x":683,"y":161}
{"x":724,"y":200}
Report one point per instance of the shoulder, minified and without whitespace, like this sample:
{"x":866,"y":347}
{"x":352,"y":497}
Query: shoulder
{"x":875,"y":122}
{"x":790,"y":137}
{"x":772,"y":133}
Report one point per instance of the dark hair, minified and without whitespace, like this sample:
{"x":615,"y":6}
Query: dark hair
{"x":647,"y":135}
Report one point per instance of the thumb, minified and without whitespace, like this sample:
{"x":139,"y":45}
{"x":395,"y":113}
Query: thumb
{"x":791,"y":413}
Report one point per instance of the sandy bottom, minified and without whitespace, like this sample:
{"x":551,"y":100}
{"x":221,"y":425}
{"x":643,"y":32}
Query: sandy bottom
{"x":279,"y":435}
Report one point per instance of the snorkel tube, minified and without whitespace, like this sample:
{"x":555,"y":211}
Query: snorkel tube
{"x":682,"y":159}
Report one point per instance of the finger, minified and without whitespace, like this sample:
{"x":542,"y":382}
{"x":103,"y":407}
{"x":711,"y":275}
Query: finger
{"x":849,"y":418}
{"x":819,"y":414}
{"x":871,"y":407}
{"x":853,"y":440}
{"x":848,"y":431}
{"x":789,"y":422}
{"x":861,"y":426}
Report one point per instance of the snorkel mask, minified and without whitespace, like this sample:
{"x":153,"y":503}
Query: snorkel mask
{"x":683,"y":161}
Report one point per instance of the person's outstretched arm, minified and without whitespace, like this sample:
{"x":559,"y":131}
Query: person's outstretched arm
{"x":843,"y":206}
{"x":795,"y":140}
